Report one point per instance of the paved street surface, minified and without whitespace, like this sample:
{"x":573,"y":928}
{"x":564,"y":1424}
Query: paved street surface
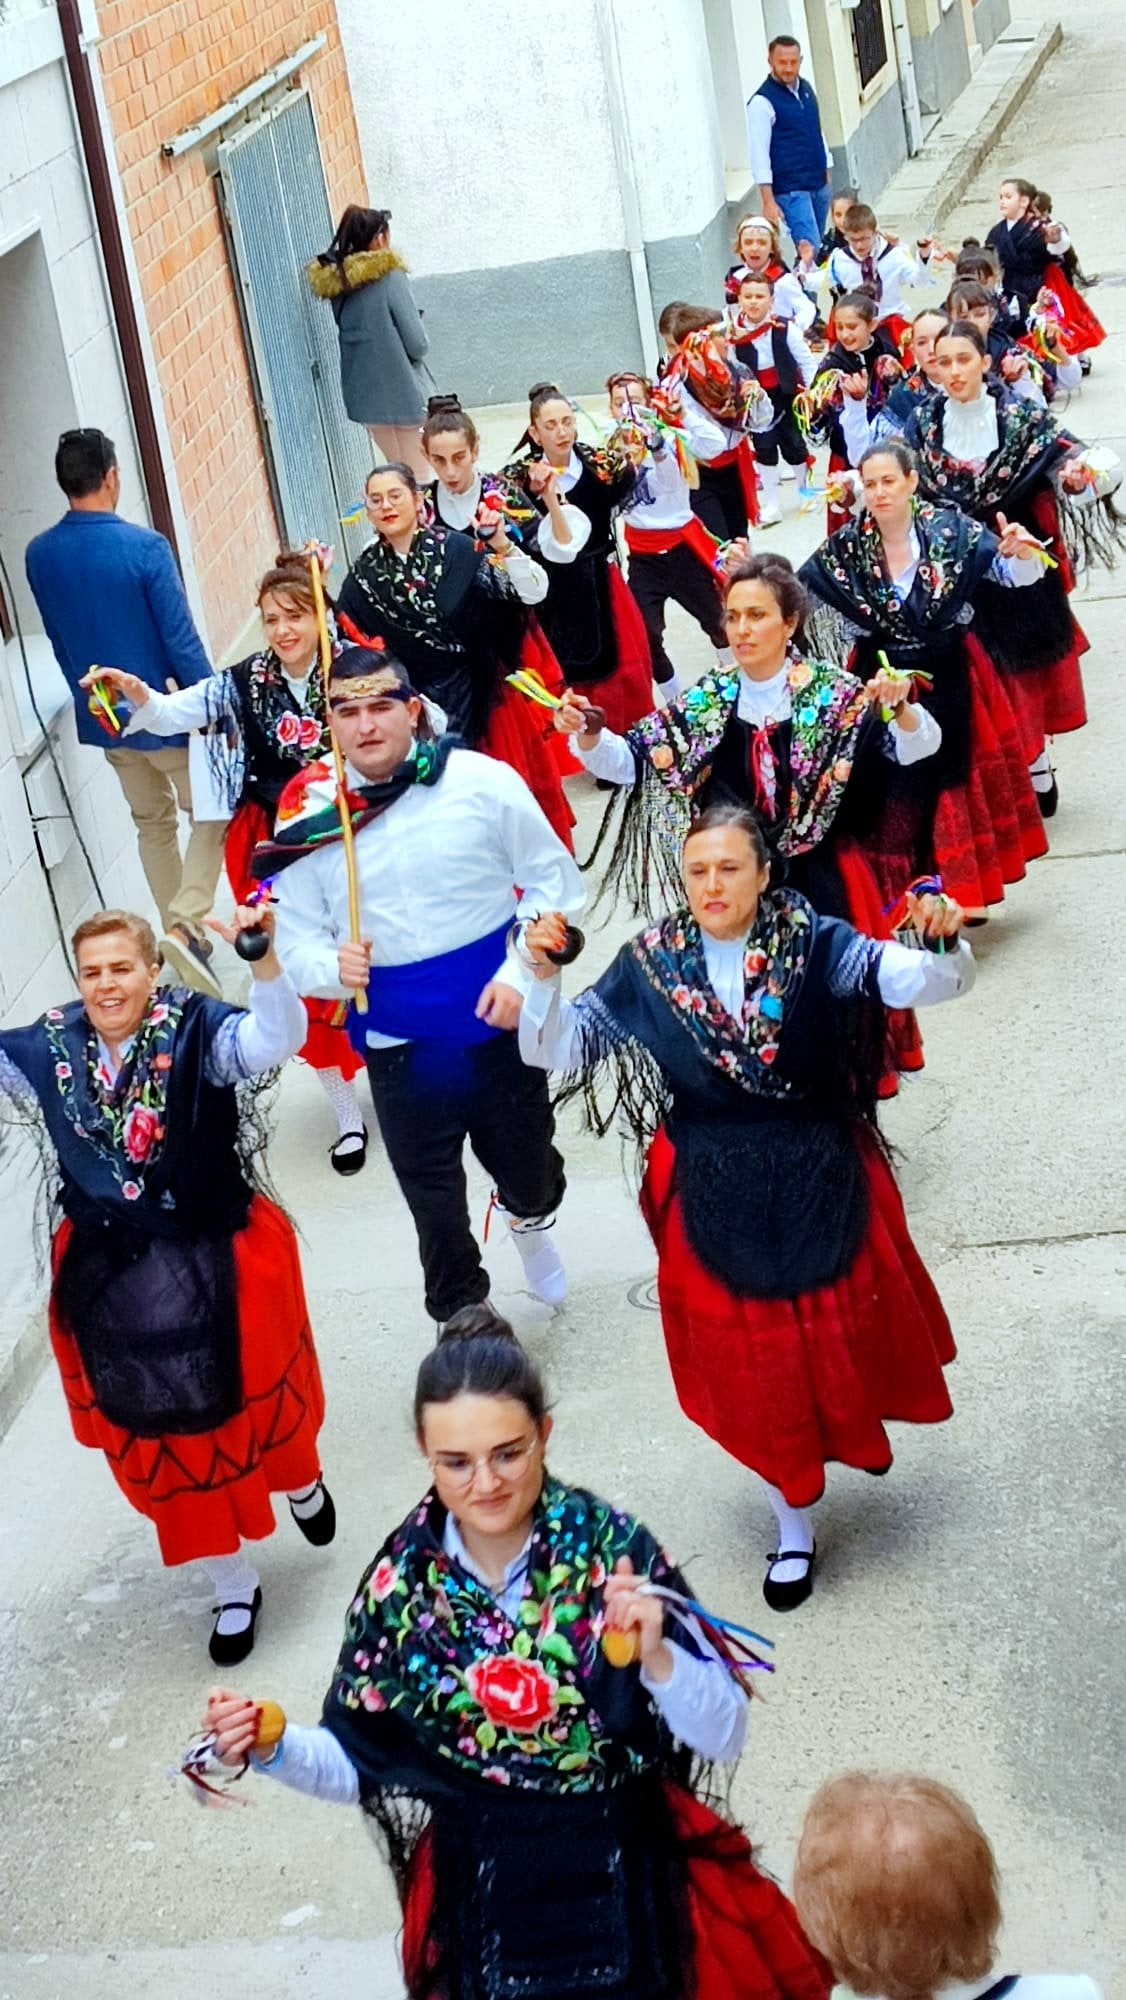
{"x":965,"y":1619}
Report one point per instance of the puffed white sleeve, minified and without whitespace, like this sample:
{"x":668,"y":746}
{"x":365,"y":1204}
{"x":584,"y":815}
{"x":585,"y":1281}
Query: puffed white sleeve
{"x":312,"y":1761}
{"x":555,"y":1033}
{"x":701,"y":1705}
{"x":262,"y":1036}
{"x":908,"y":978}
{"x":1016,"y":572}
{"x":856,"y":428}
{"x":189,"y":708}
{"x":611,"y":759}
{"x":528,"y":578}
{"x":911,"y":746}
{"x":307,"y":936}
{"x":554,"y":551}
{"x":548,"y":876}
{"x":792,"y":300}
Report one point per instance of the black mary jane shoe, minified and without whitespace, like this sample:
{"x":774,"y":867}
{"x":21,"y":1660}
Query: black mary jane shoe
{"x":1049,"y":801}
{"x":354,"y":1160}
{"x":318,"y":1528}
{"x":228,"y":1648}
{"x":787,"y":1596}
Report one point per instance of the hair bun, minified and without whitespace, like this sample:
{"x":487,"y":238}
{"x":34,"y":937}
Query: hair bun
{"x":443,"y":406}
{"x":544,"y":389}
{"x":476,"y":1322}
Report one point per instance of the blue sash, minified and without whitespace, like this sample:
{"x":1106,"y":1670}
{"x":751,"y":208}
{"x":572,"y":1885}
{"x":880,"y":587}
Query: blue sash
{"x":434,"y":999}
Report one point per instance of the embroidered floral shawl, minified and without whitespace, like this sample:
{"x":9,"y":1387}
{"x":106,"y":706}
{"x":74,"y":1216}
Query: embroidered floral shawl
{"x":671,"y":956}
{"x":512,"y":1701}
{"x":1030,"y":444}
{"x":849,"y":572}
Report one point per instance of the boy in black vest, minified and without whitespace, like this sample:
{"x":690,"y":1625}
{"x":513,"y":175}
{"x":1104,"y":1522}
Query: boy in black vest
{"x":778,"y":356}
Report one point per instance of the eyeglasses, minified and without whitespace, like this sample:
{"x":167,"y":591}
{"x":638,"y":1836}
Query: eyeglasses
{"x":506,"y":1462}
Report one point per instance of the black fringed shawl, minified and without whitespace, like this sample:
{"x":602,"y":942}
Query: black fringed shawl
{"x":857,"y":614}
{"x":449,"y":614}
{"x":762,"y":1113}
{"x":536,"y":1766}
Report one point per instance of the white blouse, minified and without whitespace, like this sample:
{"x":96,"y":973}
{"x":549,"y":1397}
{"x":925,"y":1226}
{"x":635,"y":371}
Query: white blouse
{"x":528,"y":578}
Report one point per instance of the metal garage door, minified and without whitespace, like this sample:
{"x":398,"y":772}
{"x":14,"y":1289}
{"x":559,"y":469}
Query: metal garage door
{"x":276,"y":212}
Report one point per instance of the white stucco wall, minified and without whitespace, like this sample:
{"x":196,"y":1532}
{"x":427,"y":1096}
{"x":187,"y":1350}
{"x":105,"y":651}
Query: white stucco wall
{"x":673,"y":121}
{"x":484,"y":129}
{"x":63,"y":370}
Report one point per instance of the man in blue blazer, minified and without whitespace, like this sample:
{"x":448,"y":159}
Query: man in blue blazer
{"x":109,"y":594}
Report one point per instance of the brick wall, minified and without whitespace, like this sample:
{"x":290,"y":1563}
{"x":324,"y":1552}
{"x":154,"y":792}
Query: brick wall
{"x":164,"y":68}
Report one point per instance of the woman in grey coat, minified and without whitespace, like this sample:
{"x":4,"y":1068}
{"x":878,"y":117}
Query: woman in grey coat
{"x":381,"y":336}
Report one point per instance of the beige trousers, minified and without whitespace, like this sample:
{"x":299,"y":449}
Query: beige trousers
{"x":157,"y":789}
{"x":402,"y":442}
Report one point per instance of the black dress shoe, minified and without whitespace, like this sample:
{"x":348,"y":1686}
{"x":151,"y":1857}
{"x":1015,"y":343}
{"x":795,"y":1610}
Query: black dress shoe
{"x":787,"y":1596}
{"x":318,"y":1528}
{"x":1048,"y":801}
{"x":228,"y":1648}
{"x":353,"y":1160}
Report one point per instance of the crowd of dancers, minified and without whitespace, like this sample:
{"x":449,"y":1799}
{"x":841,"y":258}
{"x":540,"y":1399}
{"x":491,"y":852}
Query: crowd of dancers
{"x":527,"y":1694}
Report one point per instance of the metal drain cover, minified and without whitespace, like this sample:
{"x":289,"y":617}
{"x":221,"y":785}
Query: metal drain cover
{"x":644,"y":1295}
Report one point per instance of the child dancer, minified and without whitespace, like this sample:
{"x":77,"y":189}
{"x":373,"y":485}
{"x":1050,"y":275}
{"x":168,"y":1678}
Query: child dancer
{"x":1033,"y":377}
{"x":718,"y":404}
{"x":1019,"y":241}
{"x":777,"y":355}
{"x":1080,"y":328}
{"x":868,"y":261}
{"x":756,"y":250}
{"x":670,"y":550}
{"x":851,"y":369}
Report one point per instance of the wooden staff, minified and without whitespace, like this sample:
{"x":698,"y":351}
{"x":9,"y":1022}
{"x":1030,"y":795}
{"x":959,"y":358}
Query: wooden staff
{"x":359,"y":996}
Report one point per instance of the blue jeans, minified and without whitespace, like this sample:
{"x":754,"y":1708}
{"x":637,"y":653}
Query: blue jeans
{"x":806,"y":212}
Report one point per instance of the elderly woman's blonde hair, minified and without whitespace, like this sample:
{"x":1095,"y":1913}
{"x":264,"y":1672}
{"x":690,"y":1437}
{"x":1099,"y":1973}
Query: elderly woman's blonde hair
{"x":105,"y":922}
{"x":896,"y":1884}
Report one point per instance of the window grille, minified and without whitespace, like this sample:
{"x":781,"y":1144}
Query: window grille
{"x":869,"y":39}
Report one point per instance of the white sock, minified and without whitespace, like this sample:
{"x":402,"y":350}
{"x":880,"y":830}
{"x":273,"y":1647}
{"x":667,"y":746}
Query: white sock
{"x":307,"y":1502}
{"x":786,"y":470}
{"x":670,"y":686}
{"x":1040,"y":771}
{"x":795,"y":1534}
{"x":345,"y":1103}
{"x":768,"y":480}
{"x":234,"y":1581}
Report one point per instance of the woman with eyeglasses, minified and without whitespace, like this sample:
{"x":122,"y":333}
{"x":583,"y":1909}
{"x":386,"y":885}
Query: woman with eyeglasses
{"x":458,"y":616}
{"x":536,"y":1801}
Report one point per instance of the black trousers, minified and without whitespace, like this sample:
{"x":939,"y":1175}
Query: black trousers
{"x":682,"y":576}
{"x":719,"y":501}
{"x":782,"y":436}
{"x":428,"y":1102}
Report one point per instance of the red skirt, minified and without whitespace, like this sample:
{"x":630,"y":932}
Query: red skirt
{"x":866,"y":913}
{"x":627,"y":693}
{"x":1081,"y":330}
{"x":987,"y":828}
{"x":326,"y":1046}
{"x":743,"y":1932}
{"x":522,"y":734}
{"x":1050,"y":700}
{"x":789,"y":1385}
{"x":205,"y":1493}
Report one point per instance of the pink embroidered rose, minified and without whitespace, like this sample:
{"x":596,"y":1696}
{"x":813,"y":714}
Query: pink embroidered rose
{"x":63,"y":1070}
{"x":383,"y":1579}
{"x":131,"y":1190}
{"x":661,"y":757}
{"x":756,"y":961}
{"x":514,"y":1693}
{"x":287,"y":729}
{"x":800,"y":674}
{"x":53,"y":1014}
{"x":158,"y":1014}
{"x":140,"y":1132}
{"x":768,"y":1052}
{"x":373,"y":1700}
{"x":597,"y":1573}
{"x":308,"y":732}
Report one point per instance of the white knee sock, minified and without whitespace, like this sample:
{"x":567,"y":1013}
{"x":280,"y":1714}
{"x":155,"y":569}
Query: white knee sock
{"x":795,"y":1533}
{"x":1040,"y":771}
{"x":345,"y":1103}
{"x":234,"y":1581}
{"x":768,"y":480}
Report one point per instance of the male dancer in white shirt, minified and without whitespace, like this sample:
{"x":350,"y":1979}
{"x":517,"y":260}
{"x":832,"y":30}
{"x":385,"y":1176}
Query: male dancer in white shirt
{"x":442,"y":837}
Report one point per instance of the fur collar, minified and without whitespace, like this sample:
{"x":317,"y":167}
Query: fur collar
{"x":365,"y":267}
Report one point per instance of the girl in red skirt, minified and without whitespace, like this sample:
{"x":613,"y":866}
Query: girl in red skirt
{"x":743,"y":1033}
{"x":266,"y":719}
{"x":901,"y":583}
{"x":537,"y":1801}
{"x":177,"y":1312}
{"x":594,"y":626}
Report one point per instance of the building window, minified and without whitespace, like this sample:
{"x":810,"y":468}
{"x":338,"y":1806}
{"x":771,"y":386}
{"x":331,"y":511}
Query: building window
{"x":870,"y":40}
